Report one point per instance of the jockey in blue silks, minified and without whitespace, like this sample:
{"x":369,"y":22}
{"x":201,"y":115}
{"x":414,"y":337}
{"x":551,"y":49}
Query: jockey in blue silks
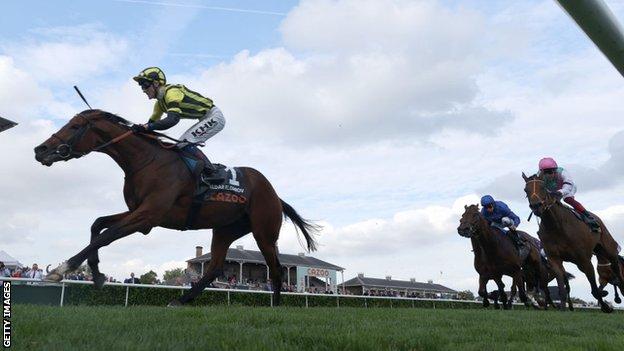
{"x":498,"y":215}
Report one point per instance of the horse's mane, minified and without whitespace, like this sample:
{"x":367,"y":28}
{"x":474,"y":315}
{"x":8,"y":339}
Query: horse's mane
{"x":125,"y":124}
{"x":117,"y":119}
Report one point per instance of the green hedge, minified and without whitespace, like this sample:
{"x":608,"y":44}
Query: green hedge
{"x":87,"y":295}
{"x":76,"y":294}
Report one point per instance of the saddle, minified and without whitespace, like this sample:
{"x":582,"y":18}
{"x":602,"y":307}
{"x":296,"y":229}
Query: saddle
{"x":518,"y":239}
{"x":592,"y":223}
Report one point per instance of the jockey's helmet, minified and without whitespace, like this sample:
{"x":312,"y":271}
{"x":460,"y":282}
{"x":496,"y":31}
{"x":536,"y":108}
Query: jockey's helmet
{"x":151,"y":74}
{"x":487,"y":200}
{"x":547,"y":163}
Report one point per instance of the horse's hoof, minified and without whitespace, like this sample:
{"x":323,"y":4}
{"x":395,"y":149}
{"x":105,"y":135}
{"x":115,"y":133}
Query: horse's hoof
{"x":606,"y":308}
{"x":53,"y":277}
{"x":617,"y":300}
{"x":174,"y":303}
{"x":57,"y":273}
{"x":99,"y":280}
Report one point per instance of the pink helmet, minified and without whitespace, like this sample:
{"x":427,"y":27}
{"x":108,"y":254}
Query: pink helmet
{"x":547,"y":163}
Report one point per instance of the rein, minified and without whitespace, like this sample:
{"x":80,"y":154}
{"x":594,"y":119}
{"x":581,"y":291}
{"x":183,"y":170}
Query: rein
{"x":66,"y":148}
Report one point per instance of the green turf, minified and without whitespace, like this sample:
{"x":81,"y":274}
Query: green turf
{"x":261,"y":328}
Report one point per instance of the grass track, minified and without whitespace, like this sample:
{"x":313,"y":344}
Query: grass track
{"x":260,"y":328}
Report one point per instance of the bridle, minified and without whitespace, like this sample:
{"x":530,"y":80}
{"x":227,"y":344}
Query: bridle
{"x":534,"y":193}
{"x":66,"y":149}
{"x":473,"y":228}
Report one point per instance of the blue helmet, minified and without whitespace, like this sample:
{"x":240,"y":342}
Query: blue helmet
{"x":487,"y":200}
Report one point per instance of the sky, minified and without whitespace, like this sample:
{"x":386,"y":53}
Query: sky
{"x":378,"y":119}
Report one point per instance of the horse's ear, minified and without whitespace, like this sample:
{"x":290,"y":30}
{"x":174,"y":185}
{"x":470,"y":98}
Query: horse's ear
{"x":526,"y":179}
{"x":465,"y":207}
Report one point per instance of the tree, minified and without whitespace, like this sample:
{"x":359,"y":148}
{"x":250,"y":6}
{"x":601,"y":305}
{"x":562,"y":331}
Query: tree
{"x":466,"y":295}
{"x":171,"y":276}
{"x":149,"y":278}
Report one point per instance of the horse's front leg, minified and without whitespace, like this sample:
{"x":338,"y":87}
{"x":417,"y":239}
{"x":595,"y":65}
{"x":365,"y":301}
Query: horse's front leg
{"x":142,"y":220}
{"x":96,"y":228}
{"x":483,"y":290}
{"x":501,"y":291}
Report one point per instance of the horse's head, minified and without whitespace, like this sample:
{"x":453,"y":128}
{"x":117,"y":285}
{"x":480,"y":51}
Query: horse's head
{"x":539,"y":197}
{"x":81,"y":135}
{"x":469,"y":222}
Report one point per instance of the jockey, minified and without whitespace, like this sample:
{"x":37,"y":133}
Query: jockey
{"x":498,"y":215}
{"x":558,"y":181}
{"x":179,"y":102}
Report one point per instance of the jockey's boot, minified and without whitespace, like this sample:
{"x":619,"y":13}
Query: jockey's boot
{"x":592,"y":222}
{"x":519,"y":243}
{"x":204,"y":169}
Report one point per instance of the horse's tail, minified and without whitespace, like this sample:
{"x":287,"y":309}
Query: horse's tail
{"x":308,"y":228}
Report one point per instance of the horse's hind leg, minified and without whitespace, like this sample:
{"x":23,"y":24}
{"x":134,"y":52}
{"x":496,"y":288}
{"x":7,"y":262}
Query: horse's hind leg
{"x":221,"y":241}
{"x":514,"y":291}
{"x":266,"y":215}
{"x":616,"y":298}
{"x":557,"y":267}
{"x":519,"y":281}
{"x":266,"y":234}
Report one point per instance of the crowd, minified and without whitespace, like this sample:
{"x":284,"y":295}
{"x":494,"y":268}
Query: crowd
{"x":33,"y":272}
{"x":396,"y":293}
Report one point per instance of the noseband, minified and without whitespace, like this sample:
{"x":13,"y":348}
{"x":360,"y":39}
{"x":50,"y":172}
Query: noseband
{"x":66,"y":149}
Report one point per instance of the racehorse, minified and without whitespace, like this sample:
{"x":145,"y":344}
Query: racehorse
{"x":567,"y":238}
{"x":159,"y":192}
{"x":606,"y":276}
{"x":495,"y":255}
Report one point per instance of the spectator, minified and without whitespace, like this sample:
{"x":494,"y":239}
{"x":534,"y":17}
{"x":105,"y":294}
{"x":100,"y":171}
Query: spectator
{"x":132,"y":279}
{"x":4,"y":271}
{"x":34,"y":273}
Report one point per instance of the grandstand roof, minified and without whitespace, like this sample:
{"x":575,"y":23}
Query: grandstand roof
{"x":250,"y":256}
{"x":367,"y":282}
{"x":6,"y":124}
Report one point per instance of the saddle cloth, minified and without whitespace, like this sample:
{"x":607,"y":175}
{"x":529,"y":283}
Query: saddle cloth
{"x":229,"y":185}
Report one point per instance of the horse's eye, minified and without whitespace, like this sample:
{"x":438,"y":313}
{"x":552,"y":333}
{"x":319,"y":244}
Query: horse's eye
{"x":74,"y":126}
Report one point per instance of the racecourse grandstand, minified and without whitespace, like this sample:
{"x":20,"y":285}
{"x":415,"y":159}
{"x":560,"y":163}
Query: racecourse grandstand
{"x":362,"y":285}
{"x":246,"y":269}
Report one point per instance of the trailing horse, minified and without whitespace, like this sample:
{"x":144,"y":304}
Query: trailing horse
{"x":606,"y":276}
{"x":567,"y":238}
{"x":495,"y":255}
{"x":160,"y":191}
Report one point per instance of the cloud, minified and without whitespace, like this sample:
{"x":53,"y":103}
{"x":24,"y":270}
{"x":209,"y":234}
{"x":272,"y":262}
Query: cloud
{"x":62,"y":55}
{"x":408,"y":74}
{"x":603,"y":177}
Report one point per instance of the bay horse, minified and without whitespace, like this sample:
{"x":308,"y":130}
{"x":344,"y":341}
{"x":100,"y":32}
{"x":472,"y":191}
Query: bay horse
{"x":495,"y":255}
{"x":159,"y":190}
{"x":606,"y":276}
{"x":567,"y":238}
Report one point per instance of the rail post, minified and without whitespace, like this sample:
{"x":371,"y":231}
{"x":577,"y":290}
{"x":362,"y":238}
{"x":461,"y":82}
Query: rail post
{"x":127,"y":293}
{"x":62,"y":293}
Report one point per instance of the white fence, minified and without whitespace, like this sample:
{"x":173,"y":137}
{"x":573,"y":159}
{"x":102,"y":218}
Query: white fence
{"x":64,"y":283}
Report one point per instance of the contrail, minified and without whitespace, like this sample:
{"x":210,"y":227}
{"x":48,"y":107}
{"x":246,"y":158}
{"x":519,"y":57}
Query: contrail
{"x":215,"y":8}
{"x":183,"y":54}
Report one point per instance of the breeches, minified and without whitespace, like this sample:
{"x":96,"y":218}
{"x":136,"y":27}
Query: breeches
{"x":577,"y":205}
{"x":206,"y":128}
